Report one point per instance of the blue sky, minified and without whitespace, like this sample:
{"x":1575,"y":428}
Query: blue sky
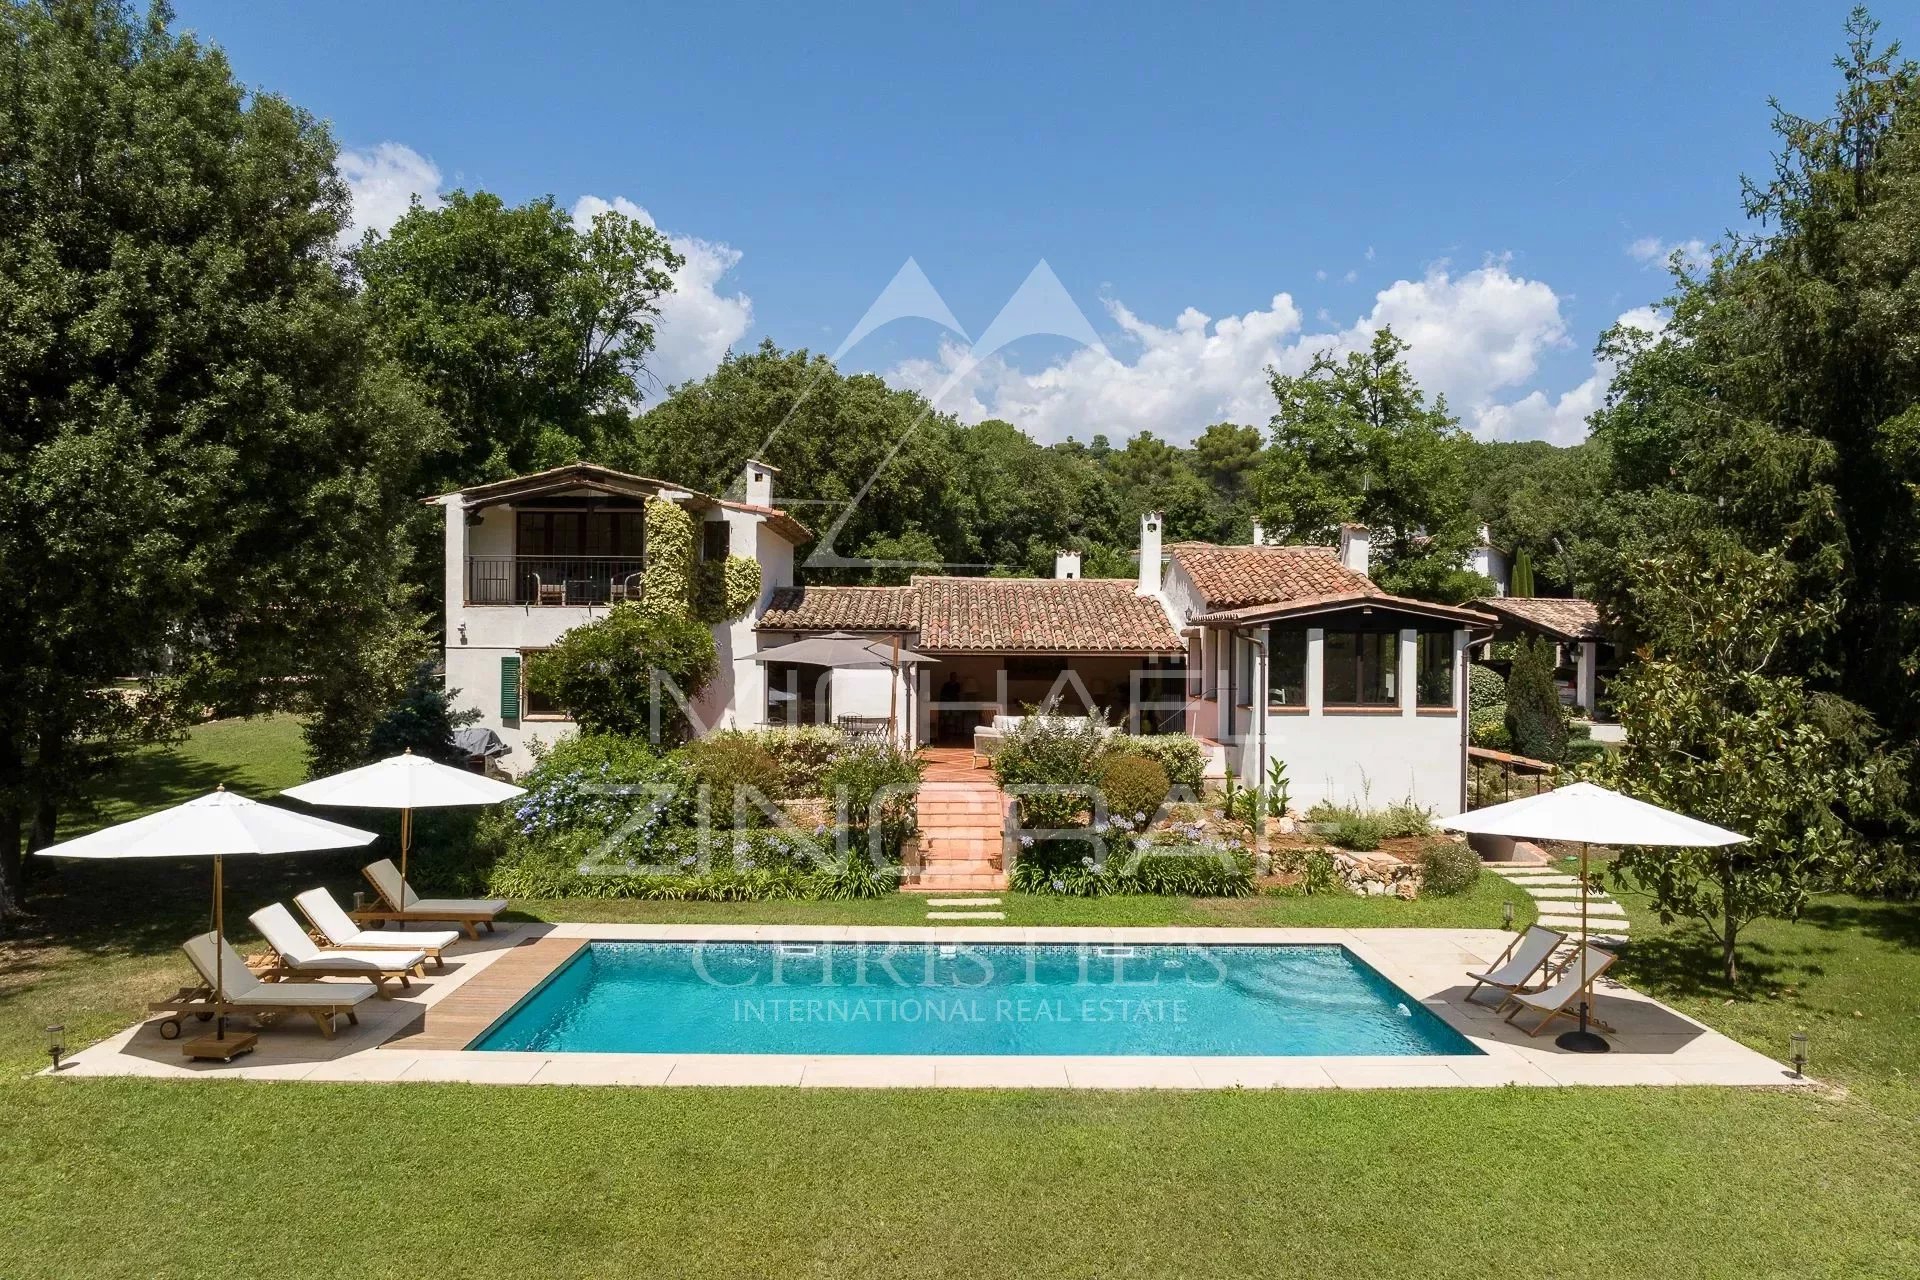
{"x":1494,"y":181}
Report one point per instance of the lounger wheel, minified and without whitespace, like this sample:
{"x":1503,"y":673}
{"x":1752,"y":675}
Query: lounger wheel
{"x":203,"y":1017}
{"x":170,"y":1029}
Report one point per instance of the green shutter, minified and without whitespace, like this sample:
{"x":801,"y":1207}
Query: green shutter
{"x":510,"y":687}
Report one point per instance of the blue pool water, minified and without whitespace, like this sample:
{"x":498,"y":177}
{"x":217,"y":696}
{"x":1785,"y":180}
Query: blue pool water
{"x":860,"y":998}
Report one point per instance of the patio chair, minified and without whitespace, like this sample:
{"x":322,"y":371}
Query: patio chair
{"x":862,"y":729}
{"x":326,"y":915}
{"x":301,"y":957}
{"x":402,"y":904}
{"x":244,"y":993}
{"x":1521,"y":966}
{"x":1562,"y":999}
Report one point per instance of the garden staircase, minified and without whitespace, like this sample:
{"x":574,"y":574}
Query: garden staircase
{"x":962,"y":833}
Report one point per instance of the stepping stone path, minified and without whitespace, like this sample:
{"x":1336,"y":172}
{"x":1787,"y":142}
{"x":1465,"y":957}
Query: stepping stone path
{"x":974,"y":909}
{"x":1556,"y":895}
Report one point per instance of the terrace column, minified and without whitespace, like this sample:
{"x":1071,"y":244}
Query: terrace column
{"x":1407,"y":680}
{"x":1316,"y":677}
{"x":1584,"y":675}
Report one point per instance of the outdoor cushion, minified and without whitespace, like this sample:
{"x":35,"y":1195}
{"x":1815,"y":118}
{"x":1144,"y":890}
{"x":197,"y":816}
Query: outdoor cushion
{"x":297,"y":951}
{"x":243,"y":986}
{"x":386,"y":877}
{"x":320,"y":908}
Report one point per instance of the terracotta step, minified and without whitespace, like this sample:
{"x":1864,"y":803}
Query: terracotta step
{"x":948,"y":883}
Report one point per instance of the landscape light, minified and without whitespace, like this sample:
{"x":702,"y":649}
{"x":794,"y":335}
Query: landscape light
{"x":1506,"y":916}
{"x":1797,"y":1042}
{"x":56,"y":1043}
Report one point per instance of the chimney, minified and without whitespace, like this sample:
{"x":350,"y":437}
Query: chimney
{"x":1354,"y":552}
{"x":757,"y":482}
{"x":1066,"y":565}
{"x":1259,"y":533}
{"x":1150,"y":554}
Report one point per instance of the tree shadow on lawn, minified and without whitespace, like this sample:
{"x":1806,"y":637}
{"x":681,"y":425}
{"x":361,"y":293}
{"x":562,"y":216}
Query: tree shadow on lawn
{"x":1894,"y":922}
{"x":1686,"y":963}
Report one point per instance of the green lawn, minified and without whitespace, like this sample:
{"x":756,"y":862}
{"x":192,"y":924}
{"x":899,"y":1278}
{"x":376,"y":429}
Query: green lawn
{"x":125,"y":1178}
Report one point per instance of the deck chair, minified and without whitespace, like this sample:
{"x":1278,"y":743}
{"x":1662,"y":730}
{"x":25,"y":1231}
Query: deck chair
{"x":1562,"y":999}
{"x":244,"y":993}
{"x":302,"y":957}
{"x":324,"y":914}
{"x":405,"y":905}
{"x":1521,"y":966}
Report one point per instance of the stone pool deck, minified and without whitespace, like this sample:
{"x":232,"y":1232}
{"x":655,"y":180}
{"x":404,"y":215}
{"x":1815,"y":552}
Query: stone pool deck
{"x":415,"y":1037}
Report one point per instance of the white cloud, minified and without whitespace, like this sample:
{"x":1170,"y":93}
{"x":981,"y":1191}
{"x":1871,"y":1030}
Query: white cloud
{"x":1695,"y":253}
{"x":1561,"y":419}
{"x":1472,"y":336}
{"x":698,"y":323}
{"x":383,"y":181}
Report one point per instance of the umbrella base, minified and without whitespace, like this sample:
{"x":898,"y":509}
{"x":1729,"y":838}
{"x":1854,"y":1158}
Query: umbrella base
{"x":219,"y":1047}
{"x":1582,"y":1042}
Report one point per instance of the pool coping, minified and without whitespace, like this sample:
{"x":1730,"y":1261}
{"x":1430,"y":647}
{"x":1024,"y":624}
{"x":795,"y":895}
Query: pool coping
{"x":1653,"y":1044}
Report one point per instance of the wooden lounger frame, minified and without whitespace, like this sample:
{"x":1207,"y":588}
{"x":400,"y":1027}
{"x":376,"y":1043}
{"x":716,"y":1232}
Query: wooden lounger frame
{"x":199,"y":1002}
{"x":379,"y":916}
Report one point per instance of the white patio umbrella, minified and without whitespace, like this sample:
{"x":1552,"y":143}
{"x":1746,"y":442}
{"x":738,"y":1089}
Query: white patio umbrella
{"x":218,"y":825}
{"x":404,"y":782}
{"x":1586,"y":812}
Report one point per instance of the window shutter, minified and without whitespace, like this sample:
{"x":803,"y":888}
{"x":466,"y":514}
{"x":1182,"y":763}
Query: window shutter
{"x":510,"y":687}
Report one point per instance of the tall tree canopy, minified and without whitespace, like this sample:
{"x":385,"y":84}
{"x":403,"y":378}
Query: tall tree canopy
{"x":200,"y":449}
{"x":1356,"y":440}
{"x":529,"y":334}
{"x":1781,"y":405}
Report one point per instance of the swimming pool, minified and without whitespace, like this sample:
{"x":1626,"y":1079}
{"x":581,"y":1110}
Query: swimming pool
{"x":941,"y":999}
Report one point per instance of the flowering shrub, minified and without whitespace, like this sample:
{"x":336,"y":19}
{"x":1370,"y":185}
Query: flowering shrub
{"x":803,"y":753}
{"x":1177,"y":753}
{"x":578,"y":784}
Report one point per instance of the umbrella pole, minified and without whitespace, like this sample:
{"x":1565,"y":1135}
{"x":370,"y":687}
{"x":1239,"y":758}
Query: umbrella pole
{"x":893,"y":695}
{"x":219,"y":954}
{"x":1583,"y":1040}
{"x":406,"y":839}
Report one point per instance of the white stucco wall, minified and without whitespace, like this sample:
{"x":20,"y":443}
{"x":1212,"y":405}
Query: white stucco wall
{"x":478,"y":636}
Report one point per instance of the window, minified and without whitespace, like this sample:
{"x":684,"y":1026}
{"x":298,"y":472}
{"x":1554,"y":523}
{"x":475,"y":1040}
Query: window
{"x":1242,"y":671}
{"x":537,"y":706}
{"x":1360,"y":668}
{"x":798,"y":694}
{"x":1435,"y":669}
{"x":1287,"y":666}
{"x":713,"y":540}
{"x":580,"y":533}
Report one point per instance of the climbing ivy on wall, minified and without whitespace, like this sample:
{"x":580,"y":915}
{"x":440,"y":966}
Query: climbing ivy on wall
{"x":675,"y":584}
{"x":727,"y":588}
{"x":668,"y":579}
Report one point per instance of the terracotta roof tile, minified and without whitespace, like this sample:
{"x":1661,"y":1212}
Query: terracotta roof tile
{"x":1231,"y":577}
{"x":842,"y":609}
{"x":1042,"y":615}
{"x":999,"y":615}
{"x":1566,"y":619}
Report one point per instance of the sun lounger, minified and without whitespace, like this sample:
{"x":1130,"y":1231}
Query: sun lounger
{"x":326,"y":915}
{"x":1562,"y":999}
{"x":405,"y":905}
{"x":1522,"y":965}
{"x":244,"y":993}
{"x":302,"y":957}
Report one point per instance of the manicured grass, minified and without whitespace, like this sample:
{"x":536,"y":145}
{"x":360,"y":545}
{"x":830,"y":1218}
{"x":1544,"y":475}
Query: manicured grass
{"x":129,"y":1178}
{"x":257,"y":757}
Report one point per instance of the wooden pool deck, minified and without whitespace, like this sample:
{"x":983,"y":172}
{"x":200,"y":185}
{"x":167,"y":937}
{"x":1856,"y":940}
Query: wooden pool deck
{"x":466,"y":1013}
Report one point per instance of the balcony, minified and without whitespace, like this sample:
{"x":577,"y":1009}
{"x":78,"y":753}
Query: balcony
{"x":553,"y":580}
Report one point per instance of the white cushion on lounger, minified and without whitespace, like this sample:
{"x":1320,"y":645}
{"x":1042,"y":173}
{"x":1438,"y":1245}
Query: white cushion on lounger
{"x":386,"y":877}
{"x":243,"y":987}
{"x":458,"y":906}
{"x":297,"y":951}
{"x":319,"y":907}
